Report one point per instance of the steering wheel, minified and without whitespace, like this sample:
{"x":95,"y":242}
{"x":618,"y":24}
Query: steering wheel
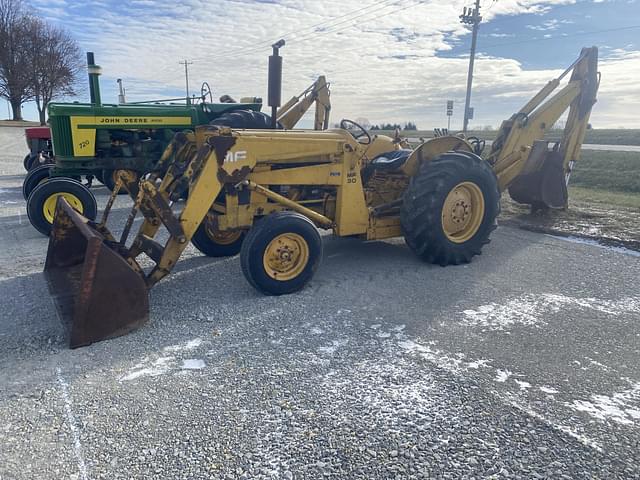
{"x":346,"y":124}
{"x":205,"y":90}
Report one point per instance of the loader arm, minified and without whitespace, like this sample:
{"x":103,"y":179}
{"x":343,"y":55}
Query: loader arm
{"x":318,"y":92}
{"x":519,"y":156}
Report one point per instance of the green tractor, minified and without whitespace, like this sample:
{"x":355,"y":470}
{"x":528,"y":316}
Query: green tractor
{"x":97,"y":140}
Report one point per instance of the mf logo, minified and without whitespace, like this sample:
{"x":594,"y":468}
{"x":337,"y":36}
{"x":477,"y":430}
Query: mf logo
{"x":235,"y":156}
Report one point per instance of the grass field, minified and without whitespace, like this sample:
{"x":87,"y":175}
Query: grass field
{"x":611,"y":178}
{"x":604,"y":197}
{"x":611,"y":171}
{"x":598,"y":136}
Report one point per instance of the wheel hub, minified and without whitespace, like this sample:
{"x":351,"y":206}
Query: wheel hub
{"x":460,"y":212}
{"x":463,"y":212}
{"x":49,"y":206}
{"x":286,"y":256}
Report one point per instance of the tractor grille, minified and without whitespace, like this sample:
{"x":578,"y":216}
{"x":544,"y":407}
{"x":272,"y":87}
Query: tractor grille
{"x":61,"y":136}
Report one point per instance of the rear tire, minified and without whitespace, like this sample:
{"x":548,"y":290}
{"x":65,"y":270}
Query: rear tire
{"x":34,"y":178}
{"x":244,"y":119}
{"x":215,"y":243}
{"x":450,"y":208}
{"x":281,"y":253}
{"x":42,"y":202}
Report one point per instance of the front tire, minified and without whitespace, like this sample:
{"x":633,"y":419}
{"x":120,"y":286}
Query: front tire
{"x":281,"y":253}
{"x":450,"y":208}
{"x":215,"y":243}
{"x":41,"y":204}
{"x":35,"y":177}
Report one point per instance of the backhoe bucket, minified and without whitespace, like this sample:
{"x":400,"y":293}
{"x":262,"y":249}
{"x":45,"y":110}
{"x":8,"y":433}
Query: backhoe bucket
{"x":542,"y":183}
{"x":98,"y":295}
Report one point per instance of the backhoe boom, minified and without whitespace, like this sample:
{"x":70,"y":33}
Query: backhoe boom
{"x":292,"y":111}
{"x":521,"y":158}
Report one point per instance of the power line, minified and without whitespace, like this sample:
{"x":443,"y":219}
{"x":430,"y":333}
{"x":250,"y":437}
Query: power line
{"x":266,"y":43}
{"x":496,"y":45}
{"x":505,"y":44}
{"x":557,"y":37}
{"x":309,"y":37}
{"x":324,"y":32}
{"x":491,"y":6}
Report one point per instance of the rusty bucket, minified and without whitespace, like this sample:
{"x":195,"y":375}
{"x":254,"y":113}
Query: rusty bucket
{"x":97,"y":294}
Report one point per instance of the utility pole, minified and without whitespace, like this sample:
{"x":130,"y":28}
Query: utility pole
{"x":470,"y":17}
{"x":186,"y":77}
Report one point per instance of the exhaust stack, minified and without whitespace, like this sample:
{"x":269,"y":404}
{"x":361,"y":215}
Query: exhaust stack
{"x":275,"y":82}
{"x":121,"y":95}
{"x":94,"y":82}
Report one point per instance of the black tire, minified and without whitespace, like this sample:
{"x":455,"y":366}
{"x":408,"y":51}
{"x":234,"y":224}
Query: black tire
{"x":35,"y":162}
{"x":261,"y":235}
{"x":421,"y":214}
{"x":244,"y":119}
{"x":34,"y":178}
{"x":106,"y":178}
{"x":212,"y":247}
{"x":27,"y":162}
{"x":37,"y":205}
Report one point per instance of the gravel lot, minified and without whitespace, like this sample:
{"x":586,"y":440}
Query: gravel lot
{"x":523,"y":364}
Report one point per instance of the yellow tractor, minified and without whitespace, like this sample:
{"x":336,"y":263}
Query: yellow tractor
{"x":265,"y":193}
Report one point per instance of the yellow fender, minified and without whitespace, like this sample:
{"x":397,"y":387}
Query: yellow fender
{"x":430,"y":149}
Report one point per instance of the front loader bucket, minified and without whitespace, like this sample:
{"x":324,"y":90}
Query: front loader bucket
{"x":542,"y":183}
{"x":98,"y":295}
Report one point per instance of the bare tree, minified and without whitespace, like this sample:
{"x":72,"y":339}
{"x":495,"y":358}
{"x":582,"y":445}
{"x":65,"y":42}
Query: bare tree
{"x":55,"y":64}
{"x":15,"y":78}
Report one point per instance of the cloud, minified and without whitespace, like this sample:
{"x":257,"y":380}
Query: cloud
{"x":553,"y":24}
{"x":384,"y":59}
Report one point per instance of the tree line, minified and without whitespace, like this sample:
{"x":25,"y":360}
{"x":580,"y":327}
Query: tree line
{"x":38,"y":61}
{"x":393,"y":126}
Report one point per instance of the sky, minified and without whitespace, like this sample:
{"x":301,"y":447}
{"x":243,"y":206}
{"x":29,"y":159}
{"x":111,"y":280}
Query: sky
{"x":386,"y":60}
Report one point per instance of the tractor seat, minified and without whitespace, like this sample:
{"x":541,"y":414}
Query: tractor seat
{"x":387,"y":161}
{"x":391,"y":160}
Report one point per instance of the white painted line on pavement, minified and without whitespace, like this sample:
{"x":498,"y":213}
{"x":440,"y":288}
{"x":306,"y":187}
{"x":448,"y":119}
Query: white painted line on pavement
{"x":77,"y":446}
{"x":180,"y":273}
{"x":583,"y":439}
